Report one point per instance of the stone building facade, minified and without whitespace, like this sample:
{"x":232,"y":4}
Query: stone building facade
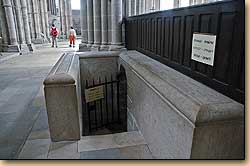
{"x":24,"y":22}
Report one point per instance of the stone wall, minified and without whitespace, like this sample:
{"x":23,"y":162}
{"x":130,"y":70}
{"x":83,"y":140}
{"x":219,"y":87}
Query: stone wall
{"x":180,"y":118}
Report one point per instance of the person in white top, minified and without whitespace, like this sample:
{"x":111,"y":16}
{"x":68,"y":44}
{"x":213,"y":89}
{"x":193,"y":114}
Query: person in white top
{"x":72,"y":37}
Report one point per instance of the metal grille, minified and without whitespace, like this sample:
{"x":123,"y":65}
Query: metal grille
{"x":103,"y":112}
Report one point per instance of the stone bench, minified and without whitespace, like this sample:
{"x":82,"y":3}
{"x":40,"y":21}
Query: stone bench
{"x":62,"y":89}
{"x":179,"y":117}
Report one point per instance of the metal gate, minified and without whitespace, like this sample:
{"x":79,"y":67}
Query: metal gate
{"x":102,"y":104}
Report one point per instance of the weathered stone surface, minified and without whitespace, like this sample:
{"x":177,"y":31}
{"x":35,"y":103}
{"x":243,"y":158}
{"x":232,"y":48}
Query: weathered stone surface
{"x":63,"y":150}
{"x":131,"y":152}
{"x":90,"y":63}
{"x":63,"y":112}
{"x":118,"y":140}
{"x":35,"y":149}
{"x":178,"y":116}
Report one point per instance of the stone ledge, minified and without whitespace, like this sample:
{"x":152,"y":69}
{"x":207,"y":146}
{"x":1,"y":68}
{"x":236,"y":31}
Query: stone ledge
{"x":61,"y":78}
{"x":63,"y":72}
{"x":199,"y":102}
{"x":98,"y":54}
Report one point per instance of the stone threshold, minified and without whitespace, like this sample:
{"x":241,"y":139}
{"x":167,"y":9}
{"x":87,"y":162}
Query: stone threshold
{"x":110,"y":141}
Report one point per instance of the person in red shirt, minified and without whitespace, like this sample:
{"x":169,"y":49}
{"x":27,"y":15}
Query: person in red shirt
{"x":54,"y":34}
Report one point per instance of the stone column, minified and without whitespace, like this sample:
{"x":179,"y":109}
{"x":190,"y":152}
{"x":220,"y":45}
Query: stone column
{"x":97,"y":24}
{"x":104,"y":21}
{"x":137,"y":4}
{"x":62,"y":18}
{"x":116,"y":16}
{"x":19,"y":22}
{"x":46,"y":20}
{"x":42,"y":16}
{"x":109,"y":23}
{"x":132,"y":7}
{"x":13,"y":45}
{"x":143,"y":6}
{"x":38,"y":39}
{"x":66,"y":20}
{"x":84,"y":26}
{"x":148,"y":6}
{"x":70,"y":13}
{"x":90,"y":23}
{"x":3,"y":27}
{"x":26,"y":24}
{"x":140,"y":7}
{"x":157,"y":5}
{"x":176,"y":3}
{"x":31,"y":19}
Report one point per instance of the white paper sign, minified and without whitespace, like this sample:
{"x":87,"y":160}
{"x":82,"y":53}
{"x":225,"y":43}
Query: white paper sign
{"x":203,"y":48}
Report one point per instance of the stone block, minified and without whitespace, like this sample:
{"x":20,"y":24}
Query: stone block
{"x":62,"y":89}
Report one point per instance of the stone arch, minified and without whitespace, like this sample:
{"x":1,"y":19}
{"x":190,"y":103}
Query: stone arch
{"x":122,"y":77}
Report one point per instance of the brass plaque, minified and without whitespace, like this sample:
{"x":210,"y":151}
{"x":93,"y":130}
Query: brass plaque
{"x":93,"y":94}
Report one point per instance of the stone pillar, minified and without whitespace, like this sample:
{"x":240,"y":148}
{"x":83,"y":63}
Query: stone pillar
{"x":62,"y":18}
{"x":84,"y":26}
{"x":47,"y":30}
{"x":157,"y":5}
{"x":31,"y":19}
{"x":132,"y":7}
{"x":104,"y":21}
{"x":90,"y":23}
{"x":116,"y":16}
{"x":143,"y":6}
{"x":26,"y":24}
{"x":19,"y":22}
{"x":70,"y":13}
{"x":3,"y":27}
{"x":66,"y":20}
{"x":127,"y":8}
{"x":38,"y":39}
{"x":13,"y":45}
{"x":42,"y":16}
{"x":140,"y":7}
{"x":148,"y":6}
{"x":137,"y":4}
{"x":109,"y":23}
{"x":97,"y":24}
{"x":176,"y":3}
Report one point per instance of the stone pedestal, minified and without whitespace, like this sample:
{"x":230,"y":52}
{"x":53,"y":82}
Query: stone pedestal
{"x":83,"y":47}
{"x":10,"y":48}
{"x":37,"y":41}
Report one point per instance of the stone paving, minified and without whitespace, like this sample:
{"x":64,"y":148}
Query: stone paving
{"x":21,"y":77}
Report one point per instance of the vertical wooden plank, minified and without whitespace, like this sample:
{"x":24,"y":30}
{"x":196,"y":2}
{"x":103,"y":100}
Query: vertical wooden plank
{"x":189,"y":29}
{"x":176,"y":39}
{"x":167,"y":37}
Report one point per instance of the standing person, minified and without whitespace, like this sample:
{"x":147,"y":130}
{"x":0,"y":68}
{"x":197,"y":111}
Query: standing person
{"x":72,"y":37}
{"x":54,"y":34}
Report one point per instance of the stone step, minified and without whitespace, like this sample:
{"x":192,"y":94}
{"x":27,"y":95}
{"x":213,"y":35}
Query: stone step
{"x":126,"y":145}
{"x":109,"y":141}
